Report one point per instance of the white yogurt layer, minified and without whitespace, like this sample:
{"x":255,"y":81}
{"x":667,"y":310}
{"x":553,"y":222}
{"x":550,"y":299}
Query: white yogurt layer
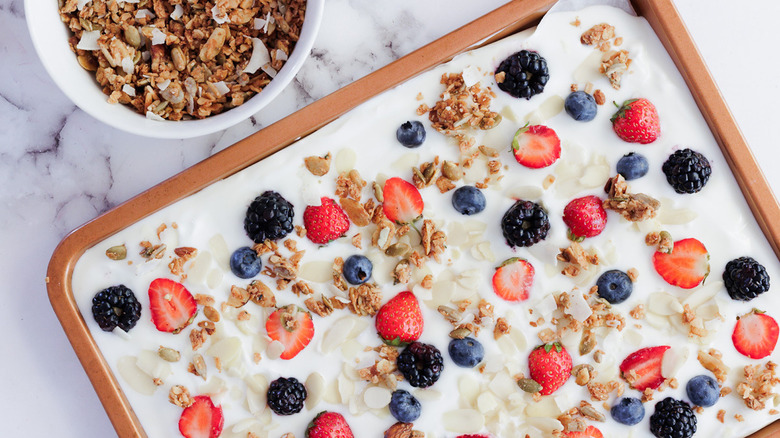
{"x":463,"y":400}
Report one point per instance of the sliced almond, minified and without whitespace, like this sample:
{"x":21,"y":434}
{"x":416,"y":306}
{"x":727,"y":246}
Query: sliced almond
{"x":315,"y":388}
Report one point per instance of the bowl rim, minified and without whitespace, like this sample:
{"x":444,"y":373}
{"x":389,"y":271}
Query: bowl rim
{"x":47,"y":41}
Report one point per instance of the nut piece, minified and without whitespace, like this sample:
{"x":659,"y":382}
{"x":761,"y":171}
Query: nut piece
{"x":403,"y":430}
{"x":318,"y":165}
{"x":180,"y":396}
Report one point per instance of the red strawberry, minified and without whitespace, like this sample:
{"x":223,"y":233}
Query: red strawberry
{"x":590,"y":432}
{"x":550,"y":366}
{"x":201,"y":419}
{"x":642,"y":368}
{"x":637,"y":121}
{"x":325,"y":222}
{"x":400,"y":320}
{"x":513,"y":279}
{"x":402,"y":201}
{"x":293,"y":327}
{"x":585,"y":217}
{"x":755,"y":334}
{"x":536,"y":146}
{"x":172,"y":305}
{"x":686,"y":266}
{"x":329,"y":425}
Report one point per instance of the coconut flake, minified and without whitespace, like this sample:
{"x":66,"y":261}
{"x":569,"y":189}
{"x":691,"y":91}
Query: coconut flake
{"x":221,"y":88}
{"x":260,"y":57}
{"x":152,"y":116}
{"x":130,"y":91}
{"x":81,"y":3}
{"x":219,"y":16}
{"x":177,"y":13}
{"x":471,"y":75}
{"x":579,"y":309}
{"x":281,"y":55}
{"x":270,"y":71}
{"x":158,"y":36}
{"x":162,"y":85}
{"x":144,"y":13}
{"x":127,"y":65}
{"x":88,"y":41}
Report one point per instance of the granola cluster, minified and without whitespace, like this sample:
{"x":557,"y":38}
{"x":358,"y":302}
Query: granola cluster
{"x":180,"y":60}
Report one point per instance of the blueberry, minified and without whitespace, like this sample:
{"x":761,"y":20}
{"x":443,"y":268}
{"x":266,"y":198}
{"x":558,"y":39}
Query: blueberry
{"x":628,"y":411}
{"x":614,"y":286}
{"x":357,"y":269}
{"x":411,"y":134}
{"x":632,"y":166}
{"x":468,"y":200}
{"x":703,"y":391}
{"x":404,"y":407}
{"x":581,"y":106}
{"x":244,"y":263}
{"x":466,"y":352}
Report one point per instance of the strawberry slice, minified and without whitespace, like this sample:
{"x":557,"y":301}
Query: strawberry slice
{"x":402,"y":201}
{"x":590,"y":432}
{"x":293,"y":327}
{"x":201,"y":419}
{"x":172,"y":305}
{"x":512,"y":280}
{"x":686,"y":266}
{"x":755,"y":334}
{"x":642,"y":368}
{"x":536,"y":146}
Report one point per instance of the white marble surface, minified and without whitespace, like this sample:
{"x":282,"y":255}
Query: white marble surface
{"x":60,"y":168}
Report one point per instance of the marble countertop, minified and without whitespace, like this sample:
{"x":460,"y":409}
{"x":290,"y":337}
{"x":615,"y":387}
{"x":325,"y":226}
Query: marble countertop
{"x":60,"y":168}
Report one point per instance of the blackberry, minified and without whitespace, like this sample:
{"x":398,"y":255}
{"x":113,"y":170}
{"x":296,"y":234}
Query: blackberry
{"x":421,"y":364}
{"x":672,"y":419}
{"x":116,"y":306}
{"x":687,"y":171}
{"x":269,"y":216}
{"x":525,"y":224}
{"x":745,"y":279}
{"x":525,"y":74}
{"x":286,"y":396}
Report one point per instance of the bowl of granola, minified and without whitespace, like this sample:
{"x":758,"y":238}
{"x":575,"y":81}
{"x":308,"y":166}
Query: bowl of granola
{"x":169,"y":69}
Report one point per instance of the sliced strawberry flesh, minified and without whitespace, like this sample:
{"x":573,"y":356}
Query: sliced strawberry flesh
{"x":201,"y":419}
{"x":536,"y":146}
{"x":642,"y":368}
{"x":755,"y":335}
{"x":172,"y":306}
{"x":292,"y":327}
{"x":590,"y":432}
{"x":687,"y":265}
{"x":402,"y":201}
{"x":512,"y":281}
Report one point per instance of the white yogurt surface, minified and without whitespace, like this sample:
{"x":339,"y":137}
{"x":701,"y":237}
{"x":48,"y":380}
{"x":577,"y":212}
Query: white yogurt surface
{"x":722,"y":222}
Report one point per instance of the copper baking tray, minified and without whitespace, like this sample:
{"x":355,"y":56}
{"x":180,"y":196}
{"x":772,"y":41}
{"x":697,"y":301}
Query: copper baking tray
{"x":510,"y":18}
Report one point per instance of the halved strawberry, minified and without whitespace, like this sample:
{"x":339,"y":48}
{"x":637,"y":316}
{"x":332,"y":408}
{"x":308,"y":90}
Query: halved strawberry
{"x":201,"y":419}
{"x":402,"y":201}
{"x":513,"y":279}
{"x":590,"y":432}
{"x":329,"y":425}
{"x":172,"y":305}
{"x":642,"y":368}
{"x":755,"y":334}
{"x":293,"y":327}
{"x":585,"y":217}
{"x":686,"y":266}
{"x":400,"y":320}
{"x":536,"y":146}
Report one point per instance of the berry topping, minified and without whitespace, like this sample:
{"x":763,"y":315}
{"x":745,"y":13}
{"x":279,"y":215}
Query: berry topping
{"x":285,"y":396}
{"x":628,"y":411}
{"x":329,"y":425}
{"x":293,"y":327}
{"x":536,"y":146}
{"x":636,"y":121}
{"x":550,"y":366}
{"x":468,"y":200}
{"x":245,"y":263}
{"x":513,"y":279}
{"x":672,"y":419}
{"x":703,"y":391}
{"x":581,"y":106}
{"x":589,"y":432}
{"x":745,"y":279}
{"x":614,"y":286}
{"x":585,"y":217}
{"x":632,"y":166}
{"x":269,"y":216}
{"x":466,"y":352}
{"x":116,"y":306}
{"x":642,"y":368}
{"x":755,"y":335}
{"x":172,"y":305}
{"x":523,"y":74}
{"x":411,"y":134}
{"x":404,"y":406}
{"x":201,"y":419}
{"x":400,"y":320}
{"x":687,"y":171}
{"x":402,"y":201}
{"x":686,"y":266}
{"x":357,"y":269}
{"x":421,"y":364}
{"x":325,"y":222}
{"x":524,"y":224}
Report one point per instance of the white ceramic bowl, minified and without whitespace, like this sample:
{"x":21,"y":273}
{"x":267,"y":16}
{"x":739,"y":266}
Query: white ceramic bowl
{"x":50,"y":37}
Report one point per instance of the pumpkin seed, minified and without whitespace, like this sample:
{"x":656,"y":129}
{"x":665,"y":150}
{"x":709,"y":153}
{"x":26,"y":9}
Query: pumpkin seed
{"x":588,"y":342}
{"x":118,"y":252}
{"x":530,"y":386}
{"x":169,"y":354}
{"x":378,"y":194}
{"x":397,"y":250}
{"x":451,"y":170}
{"x":199,"y":366}
{"x":132,"y":36}
{"x":460,"y":333}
